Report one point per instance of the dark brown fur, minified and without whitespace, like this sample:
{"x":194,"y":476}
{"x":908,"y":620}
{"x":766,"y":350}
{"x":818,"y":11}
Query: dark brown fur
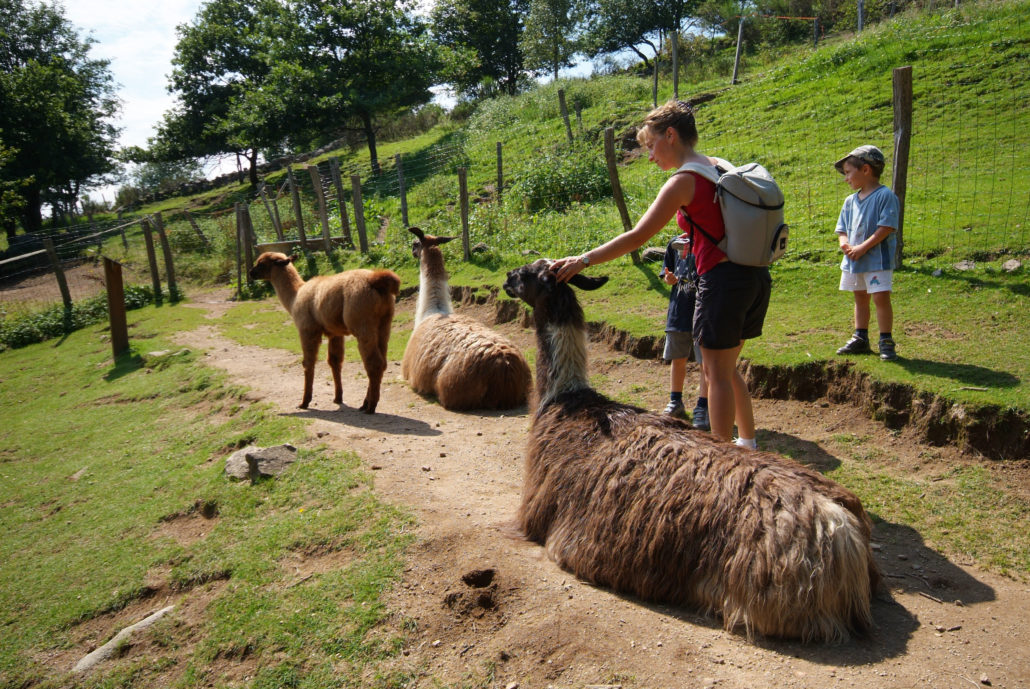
{"x":355,"y":302}
{"x":646,"y":505}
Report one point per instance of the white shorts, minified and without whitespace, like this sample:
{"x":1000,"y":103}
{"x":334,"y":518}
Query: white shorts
{"x":871,"y":282}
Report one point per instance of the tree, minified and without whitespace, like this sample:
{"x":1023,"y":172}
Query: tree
{"x":55,"y":107}
{"x":549,"y":40}
{"x":11,"y":201}
{"x":491,"y":30}
{"x":365,"y":59}
{"x":220,"y":72}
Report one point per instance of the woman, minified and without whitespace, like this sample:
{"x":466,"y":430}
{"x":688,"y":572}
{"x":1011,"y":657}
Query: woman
{"x":731,"y":299}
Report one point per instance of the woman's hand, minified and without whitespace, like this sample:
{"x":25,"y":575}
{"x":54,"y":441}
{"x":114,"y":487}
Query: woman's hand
{"x":566,"y":268}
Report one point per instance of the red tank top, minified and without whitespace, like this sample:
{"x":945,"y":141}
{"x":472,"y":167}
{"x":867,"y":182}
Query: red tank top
{"x":704,"y":210}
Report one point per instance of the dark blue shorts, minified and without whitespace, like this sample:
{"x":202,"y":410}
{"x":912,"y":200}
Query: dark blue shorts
{"x":731,"y":304}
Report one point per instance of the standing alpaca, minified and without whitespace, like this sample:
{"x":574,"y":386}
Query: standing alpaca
{"x":644,"y":504}
{"x":465,"y":364}
{"x":354,"y":302}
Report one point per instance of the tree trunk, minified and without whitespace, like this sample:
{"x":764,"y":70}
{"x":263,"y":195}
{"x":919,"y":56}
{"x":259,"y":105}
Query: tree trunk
{"x":253,"y":166}
{"x":33,"y":213}
{"x":370,"y":134}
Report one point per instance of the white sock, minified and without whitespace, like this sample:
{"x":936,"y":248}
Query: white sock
{"x":747,"y":442}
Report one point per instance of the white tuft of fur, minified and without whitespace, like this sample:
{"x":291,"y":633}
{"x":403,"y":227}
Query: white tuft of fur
{"x":434,"y":297}
{"x":568,"y":346}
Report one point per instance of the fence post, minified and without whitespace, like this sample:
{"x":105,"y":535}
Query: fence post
{"x":173,"y":288}
{"x":62,"y":283}
{"x":463,"y":191}
{"x":500,"y":173}
{"x":239,"y":251}
{"x":564,"y":114}
{"x":125,"y":240}
{"x":155,"y":279}
{"x":196,"y":228}
{"x":334,"y":169}
{"x":297,"y":211}
{"x":403,"y":191}
{"x":861,"y":14}
{"x":613,"y":175}
{"x":316,"y":182}
{"x":116,"y":306}
{"x":902,"y":138}
{"x":815,"y":31}
{"x":273,"y":217}
{"x":359,"y":212}
{"x":740,"y":40}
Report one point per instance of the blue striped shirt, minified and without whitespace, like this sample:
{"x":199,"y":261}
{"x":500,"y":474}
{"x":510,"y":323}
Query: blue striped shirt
{"x":859,"y":220}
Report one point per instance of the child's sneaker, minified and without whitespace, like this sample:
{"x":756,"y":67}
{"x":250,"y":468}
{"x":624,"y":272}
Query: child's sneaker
{"x":856,"y":345}
{"x":887,"y":352}
{"x":675,"y":408}
{"x":700,"y":419}
{"x":751,"y":444}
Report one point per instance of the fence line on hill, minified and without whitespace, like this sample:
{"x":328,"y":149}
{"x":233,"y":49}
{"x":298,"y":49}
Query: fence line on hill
{"x":949,"y":204}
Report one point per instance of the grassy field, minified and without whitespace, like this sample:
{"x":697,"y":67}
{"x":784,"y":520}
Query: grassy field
{"x":98,"y":458}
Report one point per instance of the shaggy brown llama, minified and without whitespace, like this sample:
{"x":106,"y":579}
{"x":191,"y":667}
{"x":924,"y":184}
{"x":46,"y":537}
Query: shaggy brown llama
{"x":645,"y":504}
{"x":354,"y":302}
{"x":465,"y":364}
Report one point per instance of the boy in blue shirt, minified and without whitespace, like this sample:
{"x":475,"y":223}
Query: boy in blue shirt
{"x":866,"y":232}
{"x":679,"y":270}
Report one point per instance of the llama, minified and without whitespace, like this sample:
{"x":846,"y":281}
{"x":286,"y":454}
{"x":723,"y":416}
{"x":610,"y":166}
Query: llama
{"x":646,"y":505}
{"x":465,"y":364}
{"x":354,"y":302}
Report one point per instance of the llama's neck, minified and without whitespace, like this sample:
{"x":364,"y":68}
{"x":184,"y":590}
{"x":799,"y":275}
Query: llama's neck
{"x":434,"y":296}
{"x":286,"y":283}
{"x":561,"y":364}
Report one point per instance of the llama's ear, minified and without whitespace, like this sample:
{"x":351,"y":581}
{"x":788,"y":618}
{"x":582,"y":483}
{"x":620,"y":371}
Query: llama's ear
{"x":292,"y":259}
{"x":417,"y":232}
{"x":587,"y":283}
{"x":444,"y":240}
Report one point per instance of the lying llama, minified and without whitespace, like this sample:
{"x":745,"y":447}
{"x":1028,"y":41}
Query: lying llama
{"x":465,"y":364}
{"x":354,"y":302}
{"x":644,"y":504}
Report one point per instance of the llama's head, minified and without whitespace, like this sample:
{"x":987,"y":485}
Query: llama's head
{"x":424,"y":241}
{"x":267,"y":263}
{"x":535,"y":284}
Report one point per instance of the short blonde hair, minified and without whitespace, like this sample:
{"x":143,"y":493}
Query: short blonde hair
{"x":676,"y":114}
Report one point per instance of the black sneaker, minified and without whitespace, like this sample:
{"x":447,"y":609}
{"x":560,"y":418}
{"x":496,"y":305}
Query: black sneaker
{"x":887,"y":352}
{"x":676,"y":408}
{"x":856,"y":345}
{"x":699,"y":419}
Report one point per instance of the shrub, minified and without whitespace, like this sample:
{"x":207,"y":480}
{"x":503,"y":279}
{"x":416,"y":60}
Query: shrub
{"x":566,"y":175}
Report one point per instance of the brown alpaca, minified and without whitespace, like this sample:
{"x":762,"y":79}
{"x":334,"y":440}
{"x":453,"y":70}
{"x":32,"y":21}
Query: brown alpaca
{"x":645,"y":504}
{"x":465,"y":364}
{"x":354,"y":302}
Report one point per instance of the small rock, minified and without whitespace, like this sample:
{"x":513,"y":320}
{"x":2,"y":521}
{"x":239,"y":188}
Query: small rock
{"x":322,"y":434}
{"x":985,"y":680}
{"x":937,"y":273}
{"x":965,"y":265}
{"x":939,"y":627}
{"x":435,"y":643}
{"x":955,"y":628}
{"x":426,"y":467}
{"x":376,"y":467}
{"x":1011,"y":265}
{"x":902,"y":556}
{"x":443,"y":454}
{"x":959,"y":603}
{"x":511,"y":685}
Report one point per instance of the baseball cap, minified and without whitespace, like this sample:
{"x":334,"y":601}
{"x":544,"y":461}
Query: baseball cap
{"x":867,"y":153}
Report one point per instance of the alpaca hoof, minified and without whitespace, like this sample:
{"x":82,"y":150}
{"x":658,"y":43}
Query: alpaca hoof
{"x":302,"y":405}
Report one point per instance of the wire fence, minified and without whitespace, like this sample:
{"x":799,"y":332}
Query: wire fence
{"x":967,"y":191}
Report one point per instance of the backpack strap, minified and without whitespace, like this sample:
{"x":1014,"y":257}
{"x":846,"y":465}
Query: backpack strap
{"x":712,"y":174}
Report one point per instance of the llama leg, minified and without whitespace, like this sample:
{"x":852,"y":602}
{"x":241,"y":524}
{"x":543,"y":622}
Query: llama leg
{"x":309,"y":343}
{"x":335,"y":364}
{"x":375,"y":365}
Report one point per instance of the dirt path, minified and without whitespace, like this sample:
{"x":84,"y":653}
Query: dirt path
{"x":491,"y":608}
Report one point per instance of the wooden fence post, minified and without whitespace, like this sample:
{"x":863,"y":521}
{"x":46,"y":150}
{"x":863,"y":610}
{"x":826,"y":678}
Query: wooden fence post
{"x":500,"y":173}
{"x":463,"y":191}
{"x":861,"y":14}
{"x":155,"y":278}
{"x":902,"y":139}
{"x":564,"y":114}
{"x":740,"y":40}
{"x":62,"y":283}
{"x":334,"y":169}
{"x":323,"y":215}
{"x":116,"y":306}
{"x":125,"y":240}
{"x":196,"y":228}
{"x":239,"y":251}
{"x":273,"y":217}
{"x":613,"y":175}
{"x":297,"y":210}
{"x":403,"y":192}
{"x":359,"y":212}
{"x":173,"y":288}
